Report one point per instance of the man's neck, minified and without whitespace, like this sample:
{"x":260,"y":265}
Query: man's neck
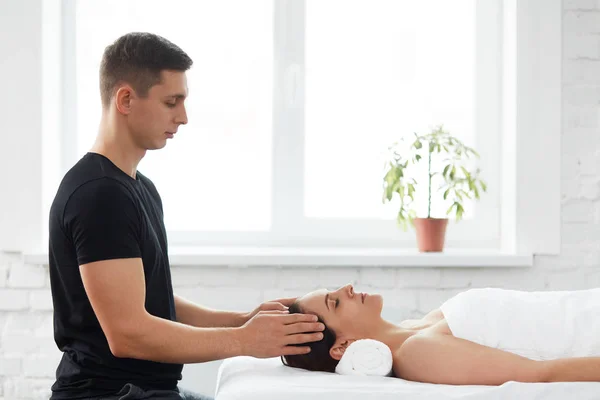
{"x":117,"y":146}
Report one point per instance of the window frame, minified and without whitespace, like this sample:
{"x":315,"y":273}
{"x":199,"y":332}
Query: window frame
{"x":288,"y":71}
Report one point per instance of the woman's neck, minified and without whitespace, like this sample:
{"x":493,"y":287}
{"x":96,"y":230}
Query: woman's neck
{"x":393,"y":335}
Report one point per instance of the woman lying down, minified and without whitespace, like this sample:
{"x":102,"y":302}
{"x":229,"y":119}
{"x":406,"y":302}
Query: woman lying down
{"x":479,"y":337}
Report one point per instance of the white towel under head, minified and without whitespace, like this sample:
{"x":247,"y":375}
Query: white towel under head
{"x":366,"y":357}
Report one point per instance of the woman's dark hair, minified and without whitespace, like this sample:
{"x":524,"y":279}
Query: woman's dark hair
{"x":138,"y":59}
{"x":318,"y":359}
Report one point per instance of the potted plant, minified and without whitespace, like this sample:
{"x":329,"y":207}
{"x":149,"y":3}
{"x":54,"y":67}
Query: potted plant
{"x":450,"y":176}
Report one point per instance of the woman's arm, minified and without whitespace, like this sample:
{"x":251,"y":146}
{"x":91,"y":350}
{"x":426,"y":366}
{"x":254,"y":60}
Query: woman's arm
{"x":580,"y":369}
{"x":446,"y":359}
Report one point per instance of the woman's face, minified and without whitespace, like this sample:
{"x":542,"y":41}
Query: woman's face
{"x":348,"y":314}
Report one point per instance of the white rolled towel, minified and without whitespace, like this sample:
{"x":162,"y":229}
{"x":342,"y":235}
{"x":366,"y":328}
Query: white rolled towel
{"x":366,"y":357}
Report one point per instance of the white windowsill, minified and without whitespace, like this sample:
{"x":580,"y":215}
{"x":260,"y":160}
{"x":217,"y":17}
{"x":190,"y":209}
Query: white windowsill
{"x":242,"y":257}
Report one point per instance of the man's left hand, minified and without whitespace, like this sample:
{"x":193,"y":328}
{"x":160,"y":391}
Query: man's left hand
{"x":272,"y":305}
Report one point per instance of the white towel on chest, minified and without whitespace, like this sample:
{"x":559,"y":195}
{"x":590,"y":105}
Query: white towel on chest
{"x":537,"y":325}
{"x":366,"y":357}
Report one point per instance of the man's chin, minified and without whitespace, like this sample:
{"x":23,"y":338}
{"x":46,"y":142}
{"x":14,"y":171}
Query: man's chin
{"x":157,"y":146}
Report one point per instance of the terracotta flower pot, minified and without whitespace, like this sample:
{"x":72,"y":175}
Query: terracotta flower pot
{"x":431,"y":233}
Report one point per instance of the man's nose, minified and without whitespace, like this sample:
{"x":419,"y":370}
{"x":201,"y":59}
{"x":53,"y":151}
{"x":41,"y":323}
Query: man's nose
{"x":182,"y":118}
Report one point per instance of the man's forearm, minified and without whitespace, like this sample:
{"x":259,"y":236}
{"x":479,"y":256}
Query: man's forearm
{"x":581,"y":369}
{"x":192,"y":314}
{"x":160,"y":340}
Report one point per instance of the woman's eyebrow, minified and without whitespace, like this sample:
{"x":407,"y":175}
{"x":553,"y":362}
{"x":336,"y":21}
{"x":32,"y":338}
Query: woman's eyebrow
{"x":327,"y":301}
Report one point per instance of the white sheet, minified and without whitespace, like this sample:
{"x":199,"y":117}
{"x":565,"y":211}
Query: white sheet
{"x":248,"y":378}
{"x":537,"y":325}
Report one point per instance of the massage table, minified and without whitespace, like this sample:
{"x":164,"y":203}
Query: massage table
{"x":248,"y":378}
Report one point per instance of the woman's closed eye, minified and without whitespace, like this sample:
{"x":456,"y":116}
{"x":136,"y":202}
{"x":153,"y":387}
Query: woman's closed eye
{"x":335,"y":305}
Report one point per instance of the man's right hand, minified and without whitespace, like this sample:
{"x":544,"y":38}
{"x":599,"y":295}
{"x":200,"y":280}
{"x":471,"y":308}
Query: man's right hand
{"x":274,"y":333}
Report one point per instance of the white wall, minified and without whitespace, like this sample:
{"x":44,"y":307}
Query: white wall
{"x":21,"y":116}
{"x":28,"y":356}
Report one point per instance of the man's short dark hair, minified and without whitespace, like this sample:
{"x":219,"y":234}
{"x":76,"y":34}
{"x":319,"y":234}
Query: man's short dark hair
{"x":138,"y":59}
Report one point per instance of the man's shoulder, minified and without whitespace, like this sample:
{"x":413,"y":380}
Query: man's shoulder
{"x":145,"y":180}
{"x":91,"y":180}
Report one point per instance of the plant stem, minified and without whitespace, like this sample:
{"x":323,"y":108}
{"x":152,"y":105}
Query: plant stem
{"x":429,"y":176}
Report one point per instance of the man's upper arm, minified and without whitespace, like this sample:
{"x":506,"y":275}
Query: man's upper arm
{"x":446,"y":359}
{"x":103,"y":222}
{"x":104,"y":225}
{"x":116,"y":291}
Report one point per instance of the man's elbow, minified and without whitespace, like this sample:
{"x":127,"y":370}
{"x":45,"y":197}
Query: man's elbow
{"x":125,"y":342}
{"x":118,"y":349}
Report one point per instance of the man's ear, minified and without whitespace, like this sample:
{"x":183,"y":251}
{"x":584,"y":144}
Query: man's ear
{"x":339,"y":348}
{"x":123,"y":98}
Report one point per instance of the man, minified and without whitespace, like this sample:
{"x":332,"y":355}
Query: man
{"x":124,"y":334}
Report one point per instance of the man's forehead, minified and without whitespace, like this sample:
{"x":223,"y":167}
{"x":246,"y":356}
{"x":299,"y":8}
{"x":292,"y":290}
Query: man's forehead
{"x":173,"y":85}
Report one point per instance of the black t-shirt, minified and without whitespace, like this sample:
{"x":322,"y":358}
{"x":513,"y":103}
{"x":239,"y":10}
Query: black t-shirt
{"x":101,"y":213}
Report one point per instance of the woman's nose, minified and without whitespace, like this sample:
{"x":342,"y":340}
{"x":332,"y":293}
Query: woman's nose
{"x":349,"y":289}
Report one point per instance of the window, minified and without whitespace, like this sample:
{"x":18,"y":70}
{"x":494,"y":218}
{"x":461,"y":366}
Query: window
{"x":215,"y":174}
{"x":366,"y":87}
{"x":292,"y":105}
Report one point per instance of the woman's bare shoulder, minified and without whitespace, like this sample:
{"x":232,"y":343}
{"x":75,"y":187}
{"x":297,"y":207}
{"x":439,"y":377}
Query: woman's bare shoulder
{"x":402,"y":357}
{"x":418,"y":342}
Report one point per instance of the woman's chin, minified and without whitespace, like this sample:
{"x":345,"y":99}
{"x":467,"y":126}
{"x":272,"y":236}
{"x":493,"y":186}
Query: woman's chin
{"x":375,"y":301}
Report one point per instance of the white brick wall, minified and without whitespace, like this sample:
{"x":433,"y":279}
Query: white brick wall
{"x":28,"y":355}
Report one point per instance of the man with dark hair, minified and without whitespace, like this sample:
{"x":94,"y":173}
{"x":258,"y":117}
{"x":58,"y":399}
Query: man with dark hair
{"x":124,"y":334}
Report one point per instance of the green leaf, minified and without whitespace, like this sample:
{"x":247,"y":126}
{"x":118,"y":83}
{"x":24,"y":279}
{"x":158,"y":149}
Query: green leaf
{"x":418,"y":157}
{"x":387,"y":196}
{"x":483,"y":185}
{"x":446,"y":168}
{"x":446,"y":194}
{"x":459,"y":212}
{"x":431,"y":147}
{"x":473,"y":151}
{"x":464,"y":170}
{"x":450,"y":208}
{"x":417,"y":144}
{"x":401,"y":221}
{"x":467,"y":195}
{"x":390,"y":193}
{"x":411,"y":190}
